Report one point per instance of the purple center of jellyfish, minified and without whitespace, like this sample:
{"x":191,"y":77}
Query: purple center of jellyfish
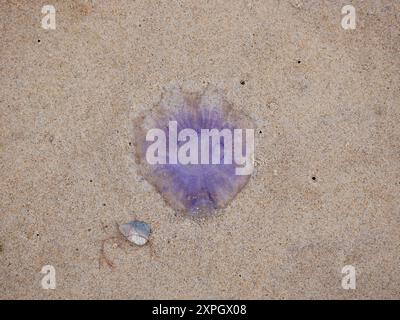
{"x":202,"y":182}
{"x":196,"y":188}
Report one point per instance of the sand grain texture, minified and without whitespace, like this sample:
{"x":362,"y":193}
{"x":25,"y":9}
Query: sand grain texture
{"x":326,"y":104}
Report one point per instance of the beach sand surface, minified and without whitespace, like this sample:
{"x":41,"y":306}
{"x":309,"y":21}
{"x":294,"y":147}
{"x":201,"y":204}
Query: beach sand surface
{"x":326,"y":186}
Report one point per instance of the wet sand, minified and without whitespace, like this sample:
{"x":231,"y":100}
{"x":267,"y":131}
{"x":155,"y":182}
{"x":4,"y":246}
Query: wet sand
{"x":325,"y":190}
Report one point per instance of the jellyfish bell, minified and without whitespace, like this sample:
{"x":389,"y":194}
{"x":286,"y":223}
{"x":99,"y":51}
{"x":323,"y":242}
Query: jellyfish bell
{"x":172,"y":154}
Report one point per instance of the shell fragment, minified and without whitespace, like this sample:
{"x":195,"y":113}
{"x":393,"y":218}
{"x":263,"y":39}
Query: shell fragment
{"x":136,"y":232}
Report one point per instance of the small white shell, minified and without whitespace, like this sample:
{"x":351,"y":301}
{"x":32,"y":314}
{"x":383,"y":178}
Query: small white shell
{"x":136,"y":232}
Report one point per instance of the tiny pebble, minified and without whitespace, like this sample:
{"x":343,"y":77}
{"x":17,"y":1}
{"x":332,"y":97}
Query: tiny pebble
{"x":136,"y":232}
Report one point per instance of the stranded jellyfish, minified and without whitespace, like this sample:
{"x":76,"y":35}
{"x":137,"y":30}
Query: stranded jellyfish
{"x":195,"y":149}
